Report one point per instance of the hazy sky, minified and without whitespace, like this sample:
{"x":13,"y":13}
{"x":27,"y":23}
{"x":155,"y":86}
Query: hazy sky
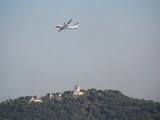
{"x":117,"y":46}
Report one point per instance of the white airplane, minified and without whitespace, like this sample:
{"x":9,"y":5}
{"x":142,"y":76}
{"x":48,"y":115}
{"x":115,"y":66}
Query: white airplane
{"x":67,"y":26}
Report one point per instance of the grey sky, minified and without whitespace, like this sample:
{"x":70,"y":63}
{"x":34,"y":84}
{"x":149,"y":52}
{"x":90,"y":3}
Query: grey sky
{"x":116,"y":47}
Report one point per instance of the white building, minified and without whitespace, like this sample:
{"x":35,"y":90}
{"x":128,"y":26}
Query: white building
{"x":35,"y":100}
{"x":53,"y":96}
{"x":50,"y":96}
{"x":77,"y":91}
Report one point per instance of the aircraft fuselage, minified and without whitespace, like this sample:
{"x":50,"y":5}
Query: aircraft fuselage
{"x":67,"y":26}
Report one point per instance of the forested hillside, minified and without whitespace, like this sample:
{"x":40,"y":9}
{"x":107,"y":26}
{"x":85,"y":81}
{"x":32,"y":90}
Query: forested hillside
{"x":92,"y":105}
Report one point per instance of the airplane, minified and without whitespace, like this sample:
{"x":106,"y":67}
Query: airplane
{"x":67,"y":26}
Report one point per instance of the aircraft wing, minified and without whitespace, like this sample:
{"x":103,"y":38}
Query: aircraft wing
{"x":69,"y":22}
{"x":60,"y":29}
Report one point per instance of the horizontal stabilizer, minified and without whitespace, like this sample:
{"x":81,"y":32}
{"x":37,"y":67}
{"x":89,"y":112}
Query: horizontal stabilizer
{"x":77,"y":23}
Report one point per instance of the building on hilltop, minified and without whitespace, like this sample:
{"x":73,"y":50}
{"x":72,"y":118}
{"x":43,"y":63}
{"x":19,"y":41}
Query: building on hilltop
{"x":35,"y":100}
{"x":77,"y":91}
{"x":49,"y":95}
{"x":54,"y":96}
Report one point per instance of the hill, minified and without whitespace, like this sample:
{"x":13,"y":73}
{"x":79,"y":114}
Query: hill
{"x":92,"y":105}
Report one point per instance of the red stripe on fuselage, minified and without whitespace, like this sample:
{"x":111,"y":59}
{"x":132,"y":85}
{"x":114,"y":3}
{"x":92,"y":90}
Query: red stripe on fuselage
{"x":58,"y":26}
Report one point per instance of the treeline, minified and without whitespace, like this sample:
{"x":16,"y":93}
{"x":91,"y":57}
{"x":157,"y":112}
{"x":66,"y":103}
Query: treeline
{"x":93,"y":105}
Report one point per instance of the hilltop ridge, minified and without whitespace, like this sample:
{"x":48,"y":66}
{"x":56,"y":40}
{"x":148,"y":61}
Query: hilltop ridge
{"x":92,"y":105}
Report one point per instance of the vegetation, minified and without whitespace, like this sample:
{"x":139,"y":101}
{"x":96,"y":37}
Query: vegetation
{"x":93,"y":105}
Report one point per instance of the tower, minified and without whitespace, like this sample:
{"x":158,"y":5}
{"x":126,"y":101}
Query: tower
{"x":77,"y":88}
{"x":77,"y":91}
